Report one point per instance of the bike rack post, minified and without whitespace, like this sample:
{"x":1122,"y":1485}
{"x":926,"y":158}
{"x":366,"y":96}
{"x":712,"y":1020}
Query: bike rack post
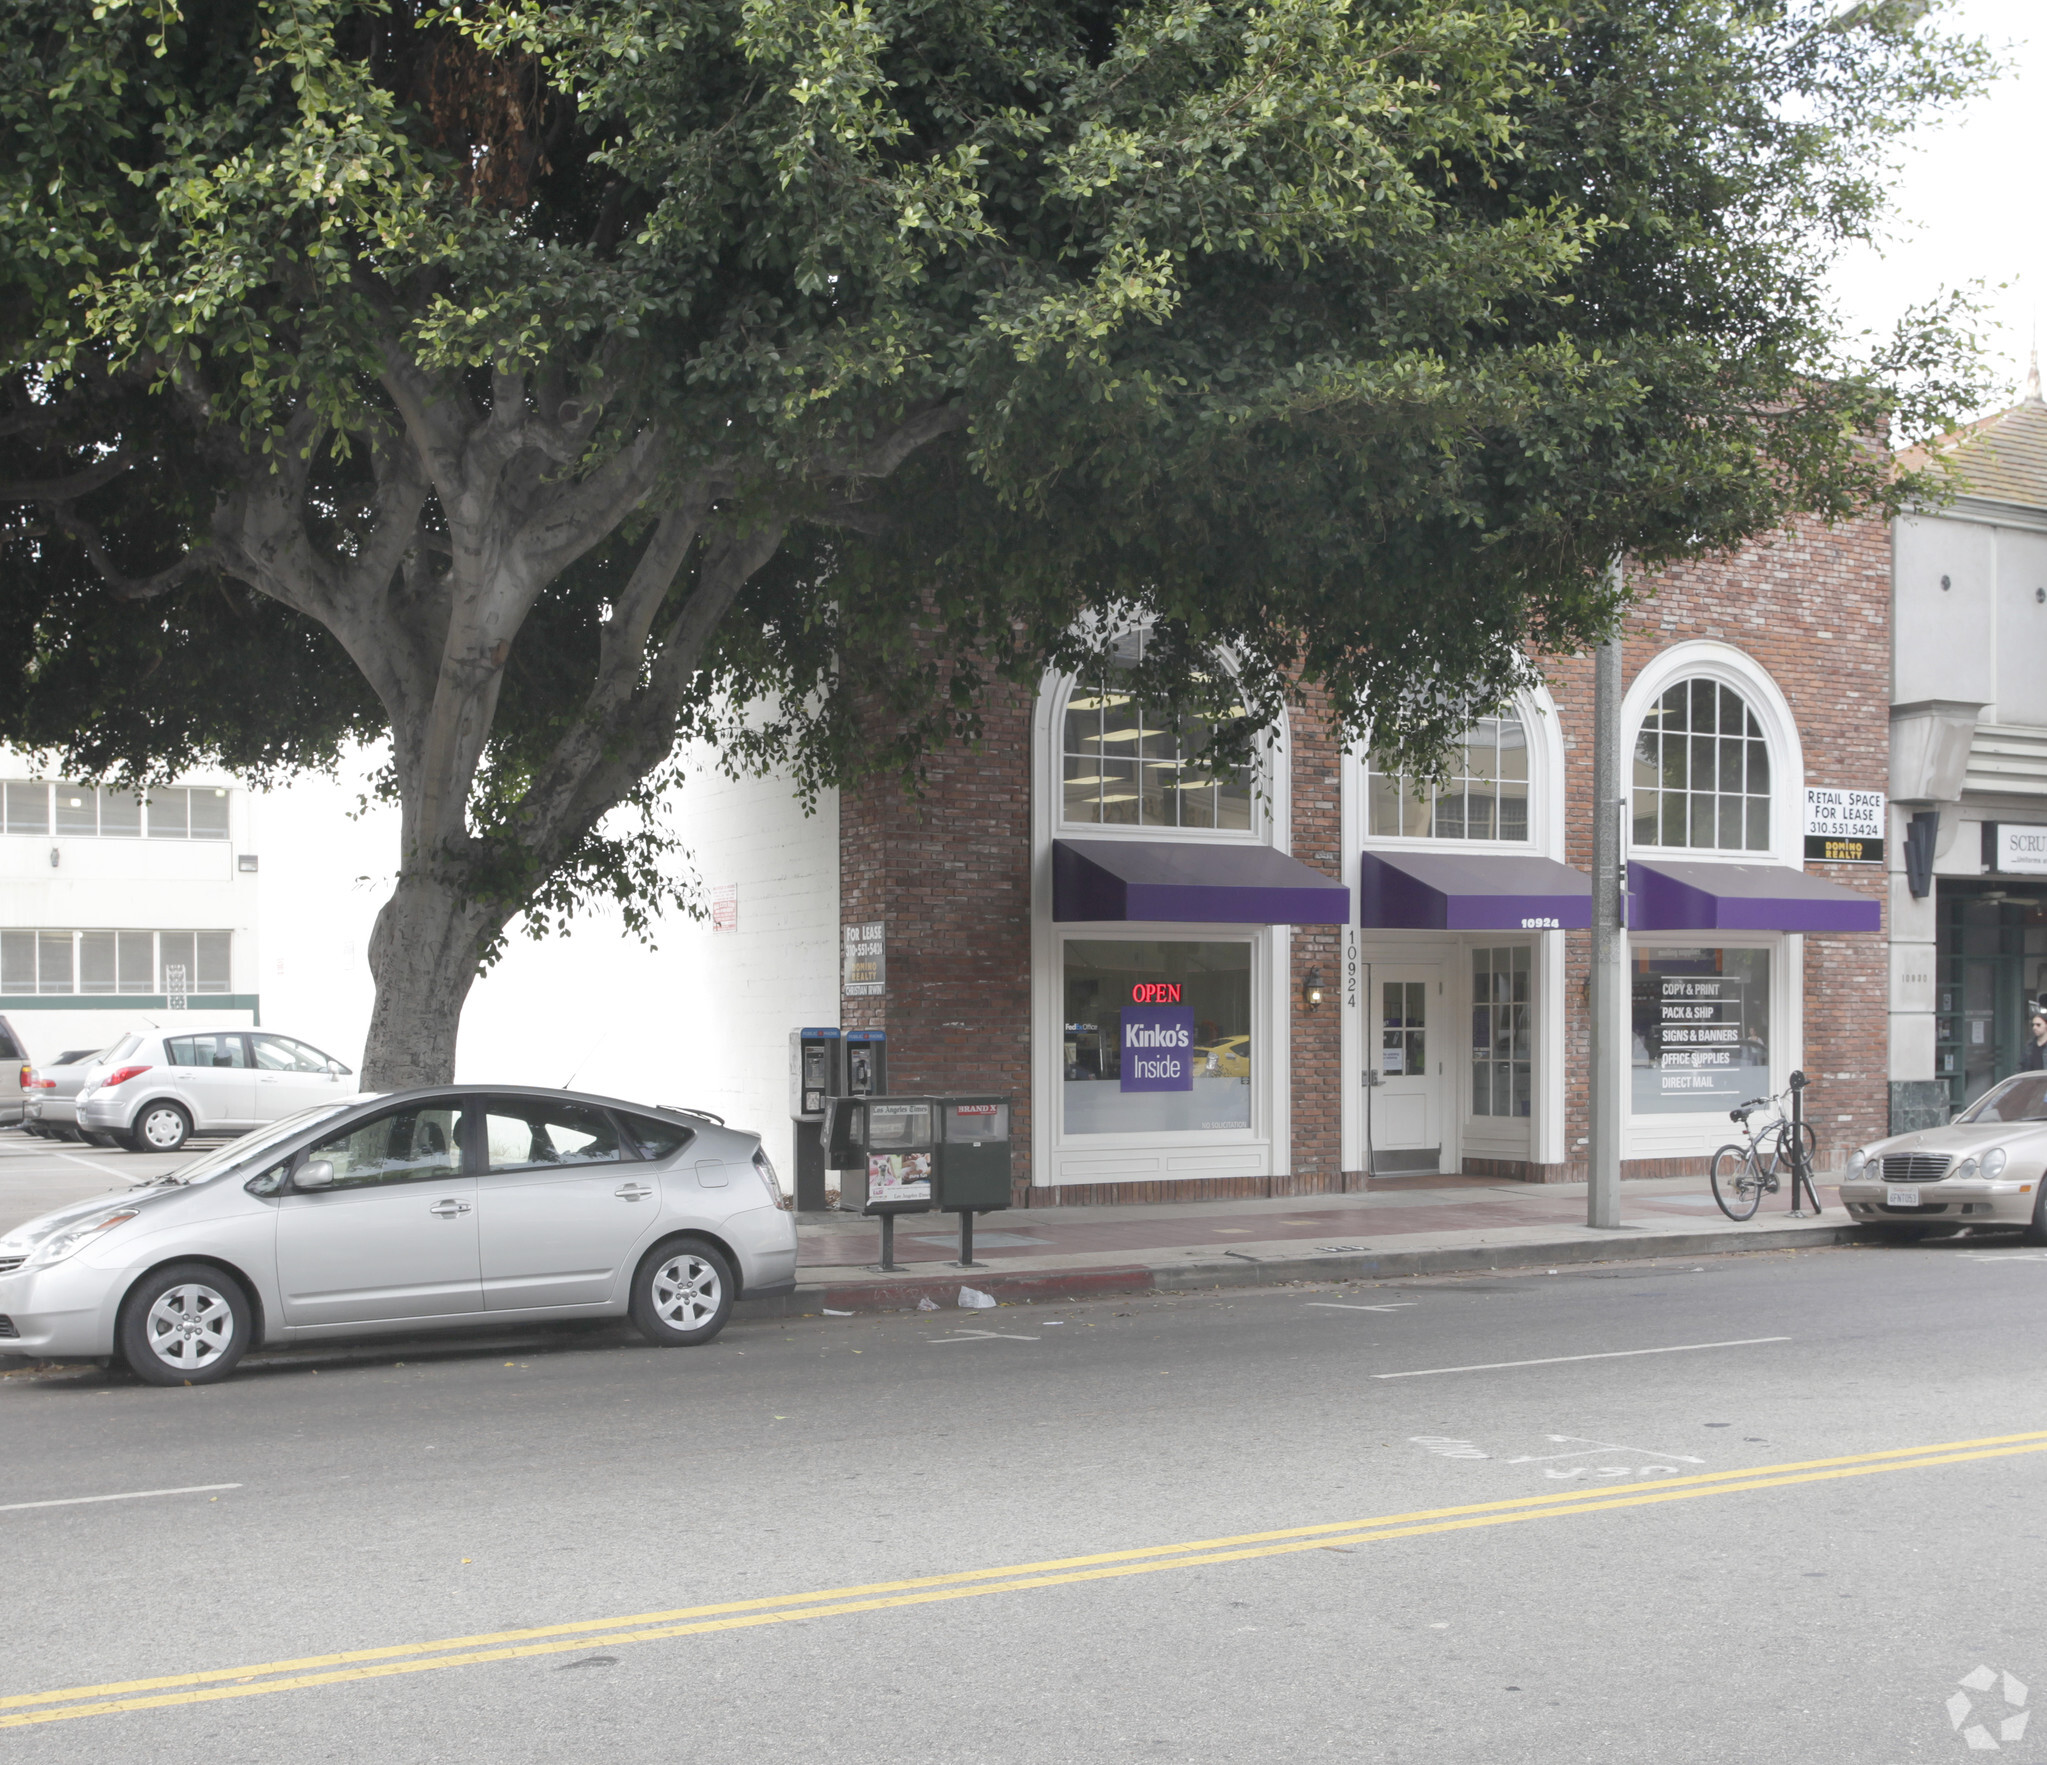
{"x":1801,"y":1174}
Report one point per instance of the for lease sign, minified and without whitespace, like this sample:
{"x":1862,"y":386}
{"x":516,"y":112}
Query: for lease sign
{"x":1844,"y":827}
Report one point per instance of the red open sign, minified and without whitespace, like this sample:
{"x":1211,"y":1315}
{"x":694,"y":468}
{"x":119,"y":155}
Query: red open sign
{"x":1155,"y":993}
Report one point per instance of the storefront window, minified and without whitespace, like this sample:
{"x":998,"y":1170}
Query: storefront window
{"x":1158,"y":1036}
{"x":1701,"y":1029}
{"x":1485,"y":797}
{"x":1502,"y":1061}
{"x":1702,"y":772}
{"x":1127,"y":764}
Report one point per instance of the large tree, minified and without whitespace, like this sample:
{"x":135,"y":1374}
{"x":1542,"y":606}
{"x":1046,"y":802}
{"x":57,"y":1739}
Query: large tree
{"x":580,"y":372}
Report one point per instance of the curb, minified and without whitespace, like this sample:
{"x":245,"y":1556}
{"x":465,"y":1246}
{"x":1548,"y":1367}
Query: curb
{"x":1041,"y":1285}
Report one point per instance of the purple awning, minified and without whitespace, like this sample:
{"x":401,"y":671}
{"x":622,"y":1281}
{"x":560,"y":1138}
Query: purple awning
{"x":1670,"y":895}
{"x":1471,"y":892}
{"x":1190,"y":881}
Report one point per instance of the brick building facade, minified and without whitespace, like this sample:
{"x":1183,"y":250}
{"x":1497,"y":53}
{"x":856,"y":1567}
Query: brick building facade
{"x":1795,"y":628}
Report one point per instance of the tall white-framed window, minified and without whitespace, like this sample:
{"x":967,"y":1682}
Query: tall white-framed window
{"x":1485,"y":796}
{"x":1504,"y":791}
{"x":1124,"y":764}
{"x":1107,"y":767}
{"x":1701,"y":771}
{"x":1718,"y":770}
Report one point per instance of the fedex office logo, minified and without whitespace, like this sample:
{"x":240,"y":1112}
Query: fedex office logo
{"x":1158,"y":1048}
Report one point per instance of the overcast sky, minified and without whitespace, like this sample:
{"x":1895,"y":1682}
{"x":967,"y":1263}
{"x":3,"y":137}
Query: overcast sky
{"x":1970,"y":200}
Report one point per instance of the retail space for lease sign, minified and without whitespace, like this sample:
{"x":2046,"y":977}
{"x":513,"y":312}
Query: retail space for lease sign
{"x":1844,"y":827}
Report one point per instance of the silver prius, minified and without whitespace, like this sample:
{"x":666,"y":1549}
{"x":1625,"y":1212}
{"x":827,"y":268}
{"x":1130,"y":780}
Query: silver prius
{"x":417,"y":1210}
{"x":1986,"y":1167}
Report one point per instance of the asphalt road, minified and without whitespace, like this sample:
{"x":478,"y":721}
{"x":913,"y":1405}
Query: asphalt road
{"x":1262,"y":1525}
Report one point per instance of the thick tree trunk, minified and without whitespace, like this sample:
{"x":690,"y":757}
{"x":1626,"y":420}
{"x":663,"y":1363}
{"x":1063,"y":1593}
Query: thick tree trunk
{"x":423,"y":957}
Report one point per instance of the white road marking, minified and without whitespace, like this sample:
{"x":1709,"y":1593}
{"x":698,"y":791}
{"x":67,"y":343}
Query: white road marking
{"x":982,"y":1336}
{"x":1592,"y":1446}
{"x":72,"y":1501}
{"x":1554,"y":1360}
{"x":1338,"y":1305}
{"x":2003,"y":1255}
{"x":109,"y":1169}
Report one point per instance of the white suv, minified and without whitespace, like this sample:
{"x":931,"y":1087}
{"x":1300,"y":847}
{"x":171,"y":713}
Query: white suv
{"x":153,"y":1091}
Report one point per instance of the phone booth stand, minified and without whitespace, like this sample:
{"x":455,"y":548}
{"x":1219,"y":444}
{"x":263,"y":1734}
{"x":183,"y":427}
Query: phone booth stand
{"x":817,"y":1074}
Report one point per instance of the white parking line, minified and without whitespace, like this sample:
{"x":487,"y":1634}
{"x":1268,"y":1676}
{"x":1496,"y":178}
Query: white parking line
{"x":72,"y":1501}
{"x":112,"y":1170}
{"x":981,"y":1336}
{"x":1338,"y":1305}
{"x":1555,"y":1360}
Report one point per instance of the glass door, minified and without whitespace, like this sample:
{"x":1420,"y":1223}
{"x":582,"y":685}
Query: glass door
{"x":1403,"y":1095}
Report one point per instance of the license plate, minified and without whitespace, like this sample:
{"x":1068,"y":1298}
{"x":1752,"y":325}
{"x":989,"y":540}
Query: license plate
{"x":1901,"y":1197}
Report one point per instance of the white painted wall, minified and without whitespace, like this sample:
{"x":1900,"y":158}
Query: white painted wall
{"x":702,"y":1018}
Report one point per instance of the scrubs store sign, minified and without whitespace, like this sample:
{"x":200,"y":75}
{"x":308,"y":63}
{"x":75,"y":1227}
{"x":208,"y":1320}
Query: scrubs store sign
{"x":1158,"y":1048}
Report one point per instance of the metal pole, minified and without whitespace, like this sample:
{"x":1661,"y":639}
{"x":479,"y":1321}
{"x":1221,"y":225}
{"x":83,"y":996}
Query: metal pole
{"x":1609,"y":947}
{"x":888,"y":1245}
{"x":967,"y":1240}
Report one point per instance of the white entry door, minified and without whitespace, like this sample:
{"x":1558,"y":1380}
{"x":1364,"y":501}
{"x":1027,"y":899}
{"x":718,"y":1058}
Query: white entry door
{"x":1405,"y":1112}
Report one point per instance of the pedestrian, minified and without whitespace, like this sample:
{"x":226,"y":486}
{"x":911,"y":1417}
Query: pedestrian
{"x":2035,"y":1057}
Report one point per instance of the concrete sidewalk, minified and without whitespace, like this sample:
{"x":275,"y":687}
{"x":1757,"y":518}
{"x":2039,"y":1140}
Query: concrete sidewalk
{"x":1400,"y":1227}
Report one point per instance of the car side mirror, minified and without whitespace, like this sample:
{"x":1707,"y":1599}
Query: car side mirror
{"x":337,"y":1069}
{"x":319,"y":1174}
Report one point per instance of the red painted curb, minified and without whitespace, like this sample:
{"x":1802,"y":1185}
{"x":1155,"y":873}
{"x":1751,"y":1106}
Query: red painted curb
{"x":944,"y":1290}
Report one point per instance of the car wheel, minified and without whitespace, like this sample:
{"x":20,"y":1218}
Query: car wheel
{"x":2036,"y":1233}
{"x":682,"y":1294}
{"x":161,"y":1127}
{"x":185,"y":1325}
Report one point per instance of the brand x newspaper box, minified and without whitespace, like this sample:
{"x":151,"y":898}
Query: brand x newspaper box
{"x":949,"y":1153}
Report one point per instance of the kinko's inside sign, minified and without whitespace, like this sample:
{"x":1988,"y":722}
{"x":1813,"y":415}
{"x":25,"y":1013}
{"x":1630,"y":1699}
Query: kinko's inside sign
{"x":1158,"y":1048}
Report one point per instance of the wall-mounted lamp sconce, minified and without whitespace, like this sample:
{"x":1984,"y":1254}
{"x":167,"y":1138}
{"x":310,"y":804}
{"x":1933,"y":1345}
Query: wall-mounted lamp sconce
{"x":1311,"y":989}
{"x":56,"y":857}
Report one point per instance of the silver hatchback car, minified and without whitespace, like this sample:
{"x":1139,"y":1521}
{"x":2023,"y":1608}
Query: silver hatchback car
{"x":418,"y":1210}
{"x":152,"y":1091}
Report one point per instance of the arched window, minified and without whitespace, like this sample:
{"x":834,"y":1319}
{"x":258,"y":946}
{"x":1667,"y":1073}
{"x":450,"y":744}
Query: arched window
{"x":1702,"y":771}
{"x":1128,"y":764}
{"x":1484,"y":798}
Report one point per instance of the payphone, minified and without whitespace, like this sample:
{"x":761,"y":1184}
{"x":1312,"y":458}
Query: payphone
{"x":921,"y":1153}
{"x":816,"y":1076}
{"x":866,"y":1066}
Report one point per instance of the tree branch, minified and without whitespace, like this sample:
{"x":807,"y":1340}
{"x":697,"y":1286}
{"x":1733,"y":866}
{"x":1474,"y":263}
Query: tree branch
{"x":119,"y":583}
{"x":64,"y":490}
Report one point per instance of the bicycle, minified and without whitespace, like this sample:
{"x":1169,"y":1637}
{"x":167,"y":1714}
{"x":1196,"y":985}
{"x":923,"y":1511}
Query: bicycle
{"x":1744,"y":1173}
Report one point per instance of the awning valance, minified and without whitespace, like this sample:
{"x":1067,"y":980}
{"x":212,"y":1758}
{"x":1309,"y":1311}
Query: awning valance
{"x":1668,"y":895}
{"x":1191,"y":881}
{"x":1471,"y":891}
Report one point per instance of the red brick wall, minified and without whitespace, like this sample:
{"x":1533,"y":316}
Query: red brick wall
{"x":949,"y":874}
{"x":1811,"y":607}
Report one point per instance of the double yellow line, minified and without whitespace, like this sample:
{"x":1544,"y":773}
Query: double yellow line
{"x":72,"y":1703}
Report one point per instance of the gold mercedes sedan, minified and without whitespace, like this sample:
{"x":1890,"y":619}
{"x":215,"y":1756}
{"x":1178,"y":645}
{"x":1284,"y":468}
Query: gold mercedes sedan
{"x":1985,"y":1168}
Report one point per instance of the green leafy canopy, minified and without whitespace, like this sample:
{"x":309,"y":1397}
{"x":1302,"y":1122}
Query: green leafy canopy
{"x":1350,"y":338}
